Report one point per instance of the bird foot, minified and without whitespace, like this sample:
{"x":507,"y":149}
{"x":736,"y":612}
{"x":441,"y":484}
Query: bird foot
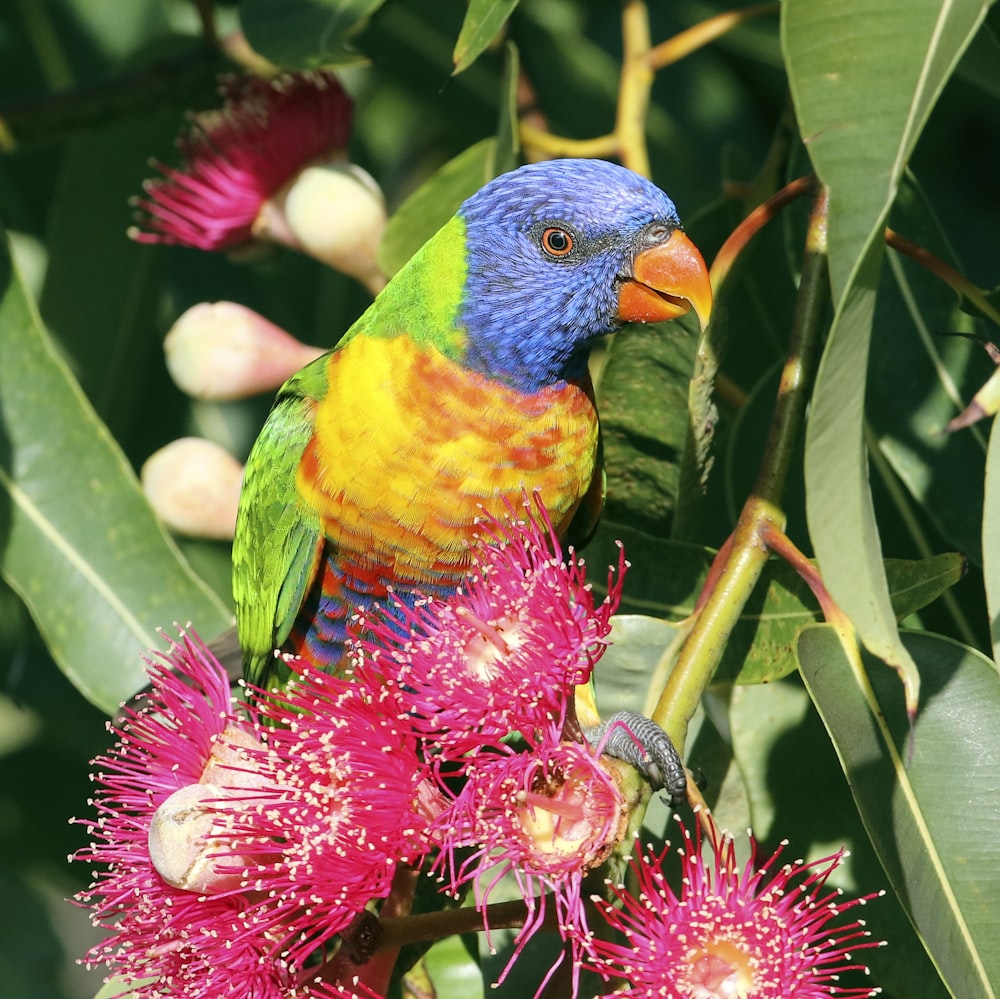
{"x":635,"y":739}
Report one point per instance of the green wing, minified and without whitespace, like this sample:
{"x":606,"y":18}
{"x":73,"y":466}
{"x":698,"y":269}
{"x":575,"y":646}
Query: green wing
{"x":278,"y":542}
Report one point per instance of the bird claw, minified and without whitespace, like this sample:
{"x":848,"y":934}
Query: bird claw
{"x":635,"y":739}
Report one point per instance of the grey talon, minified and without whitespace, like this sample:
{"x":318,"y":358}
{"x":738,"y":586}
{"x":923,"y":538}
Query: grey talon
{"x":637,"y":740}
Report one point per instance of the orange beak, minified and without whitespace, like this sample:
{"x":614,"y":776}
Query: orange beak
{"x":667,"y":281}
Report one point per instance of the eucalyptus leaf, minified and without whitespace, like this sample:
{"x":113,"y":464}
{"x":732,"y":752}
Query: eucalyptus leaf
{"x":798,"y":792}
{"x":934,"y":819}
{"x":864,"y":77}
{"x":666,"y":576}
{"x":80,"y":545}
{"x":641,"y":396}
{"x":508,"y":146}
{"x":306,"y":34}
{"x":434,"y":202}
{"x":991,"y":539}
{"x":453,"y":972}
{"x":861,"y":101}
{"x":483,"y":21}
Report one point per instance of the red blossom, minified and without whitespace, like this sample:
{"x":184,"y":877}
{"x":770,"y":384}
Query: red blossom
{"x":760,"y":932}
{"x":239,"y":157}
{"x":545,"y":817}
{"x":196,"y":945}
{"x":229,"y":849}
{"x":504,"y":653}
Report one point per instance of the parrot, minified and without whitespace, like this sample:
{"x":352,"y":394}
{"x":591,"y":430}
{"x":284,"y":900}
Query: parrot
{"x":463,"y":387}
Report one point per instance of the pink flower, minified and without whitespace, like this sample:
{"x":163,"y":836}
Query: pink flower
{"x":271,"y":165}
{"x":756,"y":933}
{"x":231,"y":851}
{"x":505,"y":653}
{"x":187,"y":733}
{"x":546,"y":817}
{"x":342,"y":800}
{"x":240,"y":156}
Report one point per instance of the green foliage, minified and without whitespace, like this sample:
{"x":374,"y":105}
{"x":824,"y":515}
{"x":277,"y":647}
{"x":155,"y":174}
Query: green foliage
{"x":893,"y":106}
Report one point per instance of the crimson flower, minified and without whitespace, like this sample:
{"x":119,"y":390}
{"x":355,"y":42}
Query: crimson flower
{"x":193,"y":943}
{"x":760,"y":932}
{"x":237,"y":158}
{"x":271,"y":164}
{"x":229,"y":850}
{"x":504,"y":653}
{"x":546,"y":817}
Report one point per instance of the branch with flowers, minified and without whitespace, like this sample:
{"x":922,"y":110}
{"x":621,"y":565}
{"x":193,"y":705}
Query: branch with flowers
{"x":547,"y":759}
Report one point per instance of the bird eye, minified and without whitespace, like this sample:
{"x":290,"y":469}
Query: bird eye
{"x":556,"y":242}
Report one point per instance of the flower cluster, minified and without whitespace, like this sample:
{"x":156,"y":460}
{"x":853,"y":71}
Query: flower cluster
{"x":235,"y":841}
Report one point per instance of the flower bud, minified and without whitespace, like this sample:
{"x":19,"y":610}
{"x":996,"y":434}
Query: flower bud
{"x":182,"y":846}
{"x":193,"y":486}
{"x":222,"y":350}
{"x":336,"y":213}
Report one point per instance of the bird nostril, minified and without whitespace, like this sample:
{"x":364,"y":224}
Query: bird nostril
{"x":656,"y":234}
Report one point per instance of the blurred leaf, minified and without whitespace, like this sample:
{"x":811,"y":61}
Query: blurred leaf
{"x":29,"y":949}
{"x":306,"y":34}
{"x":936,"y":832}
{"x":665,"y":578}
{"x":117,"y":989}
{"x":102,"y":289}
{"x":642,"y":395}
{"x":991,"y":538}
{"x":918,"y":380}
{"x":508,"y":147}
{"x":483,"y":21}
{"x":453,"y":972}
{"x":434,"y":202}
{"x":861,"y":102}
{"x":81,"y":546}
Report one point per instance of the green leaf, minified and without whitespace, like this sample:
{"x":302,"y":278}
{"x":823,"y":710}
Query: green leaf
{"x":991,"y":538}
{"x":453,"y":972}
{"x":508,"y":146}
{"x":934,"y":820}
{"x":642,"y":397}
{"x":797,"y":791}
{"x":626,"y":673}
{"x":305,"y":34}
{"x":666,"y":576}
{"x":864,"y":79}
{"x":918,"y":380}
{"x":113,"y":340}
{"x":434,"y":202}
{"x":80,"y":545}
{"x":483,"y":21}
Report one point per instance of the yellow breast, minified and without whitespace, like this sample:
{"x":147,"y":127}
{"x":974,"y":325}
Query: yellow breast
{"x":410,"y":448}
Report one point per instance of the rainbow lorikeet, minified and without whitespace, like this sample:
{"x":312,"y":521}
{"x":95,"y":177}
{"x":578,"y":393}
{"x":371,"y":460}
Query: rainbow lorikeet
{"x":464,"y":384}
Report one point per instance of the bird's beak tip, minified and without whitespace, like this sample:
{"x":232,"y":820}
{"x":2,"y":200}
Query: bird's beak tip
{"x":668,"y":280}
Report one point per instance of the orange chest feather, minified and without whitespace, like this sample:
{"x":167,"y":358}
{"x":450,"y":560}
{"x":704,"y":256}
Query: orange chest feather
{"x":409,"y":448}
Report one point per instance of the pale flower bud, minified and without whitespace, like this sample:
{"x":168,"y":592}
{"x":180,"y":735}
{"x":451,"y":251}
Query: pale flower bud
{"x":222,"y":350}
{"x":336,"y":213}
{"x":182,"y":846}
{"x":193,"y":486}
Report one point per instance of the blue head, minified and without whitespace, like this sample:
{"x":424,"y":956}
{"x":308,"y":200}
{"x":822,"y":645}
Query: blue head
{"x":562,"y":252}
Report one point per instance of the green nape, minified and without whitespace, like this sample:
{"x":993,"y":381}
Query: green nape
{"x":423,"y":299}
